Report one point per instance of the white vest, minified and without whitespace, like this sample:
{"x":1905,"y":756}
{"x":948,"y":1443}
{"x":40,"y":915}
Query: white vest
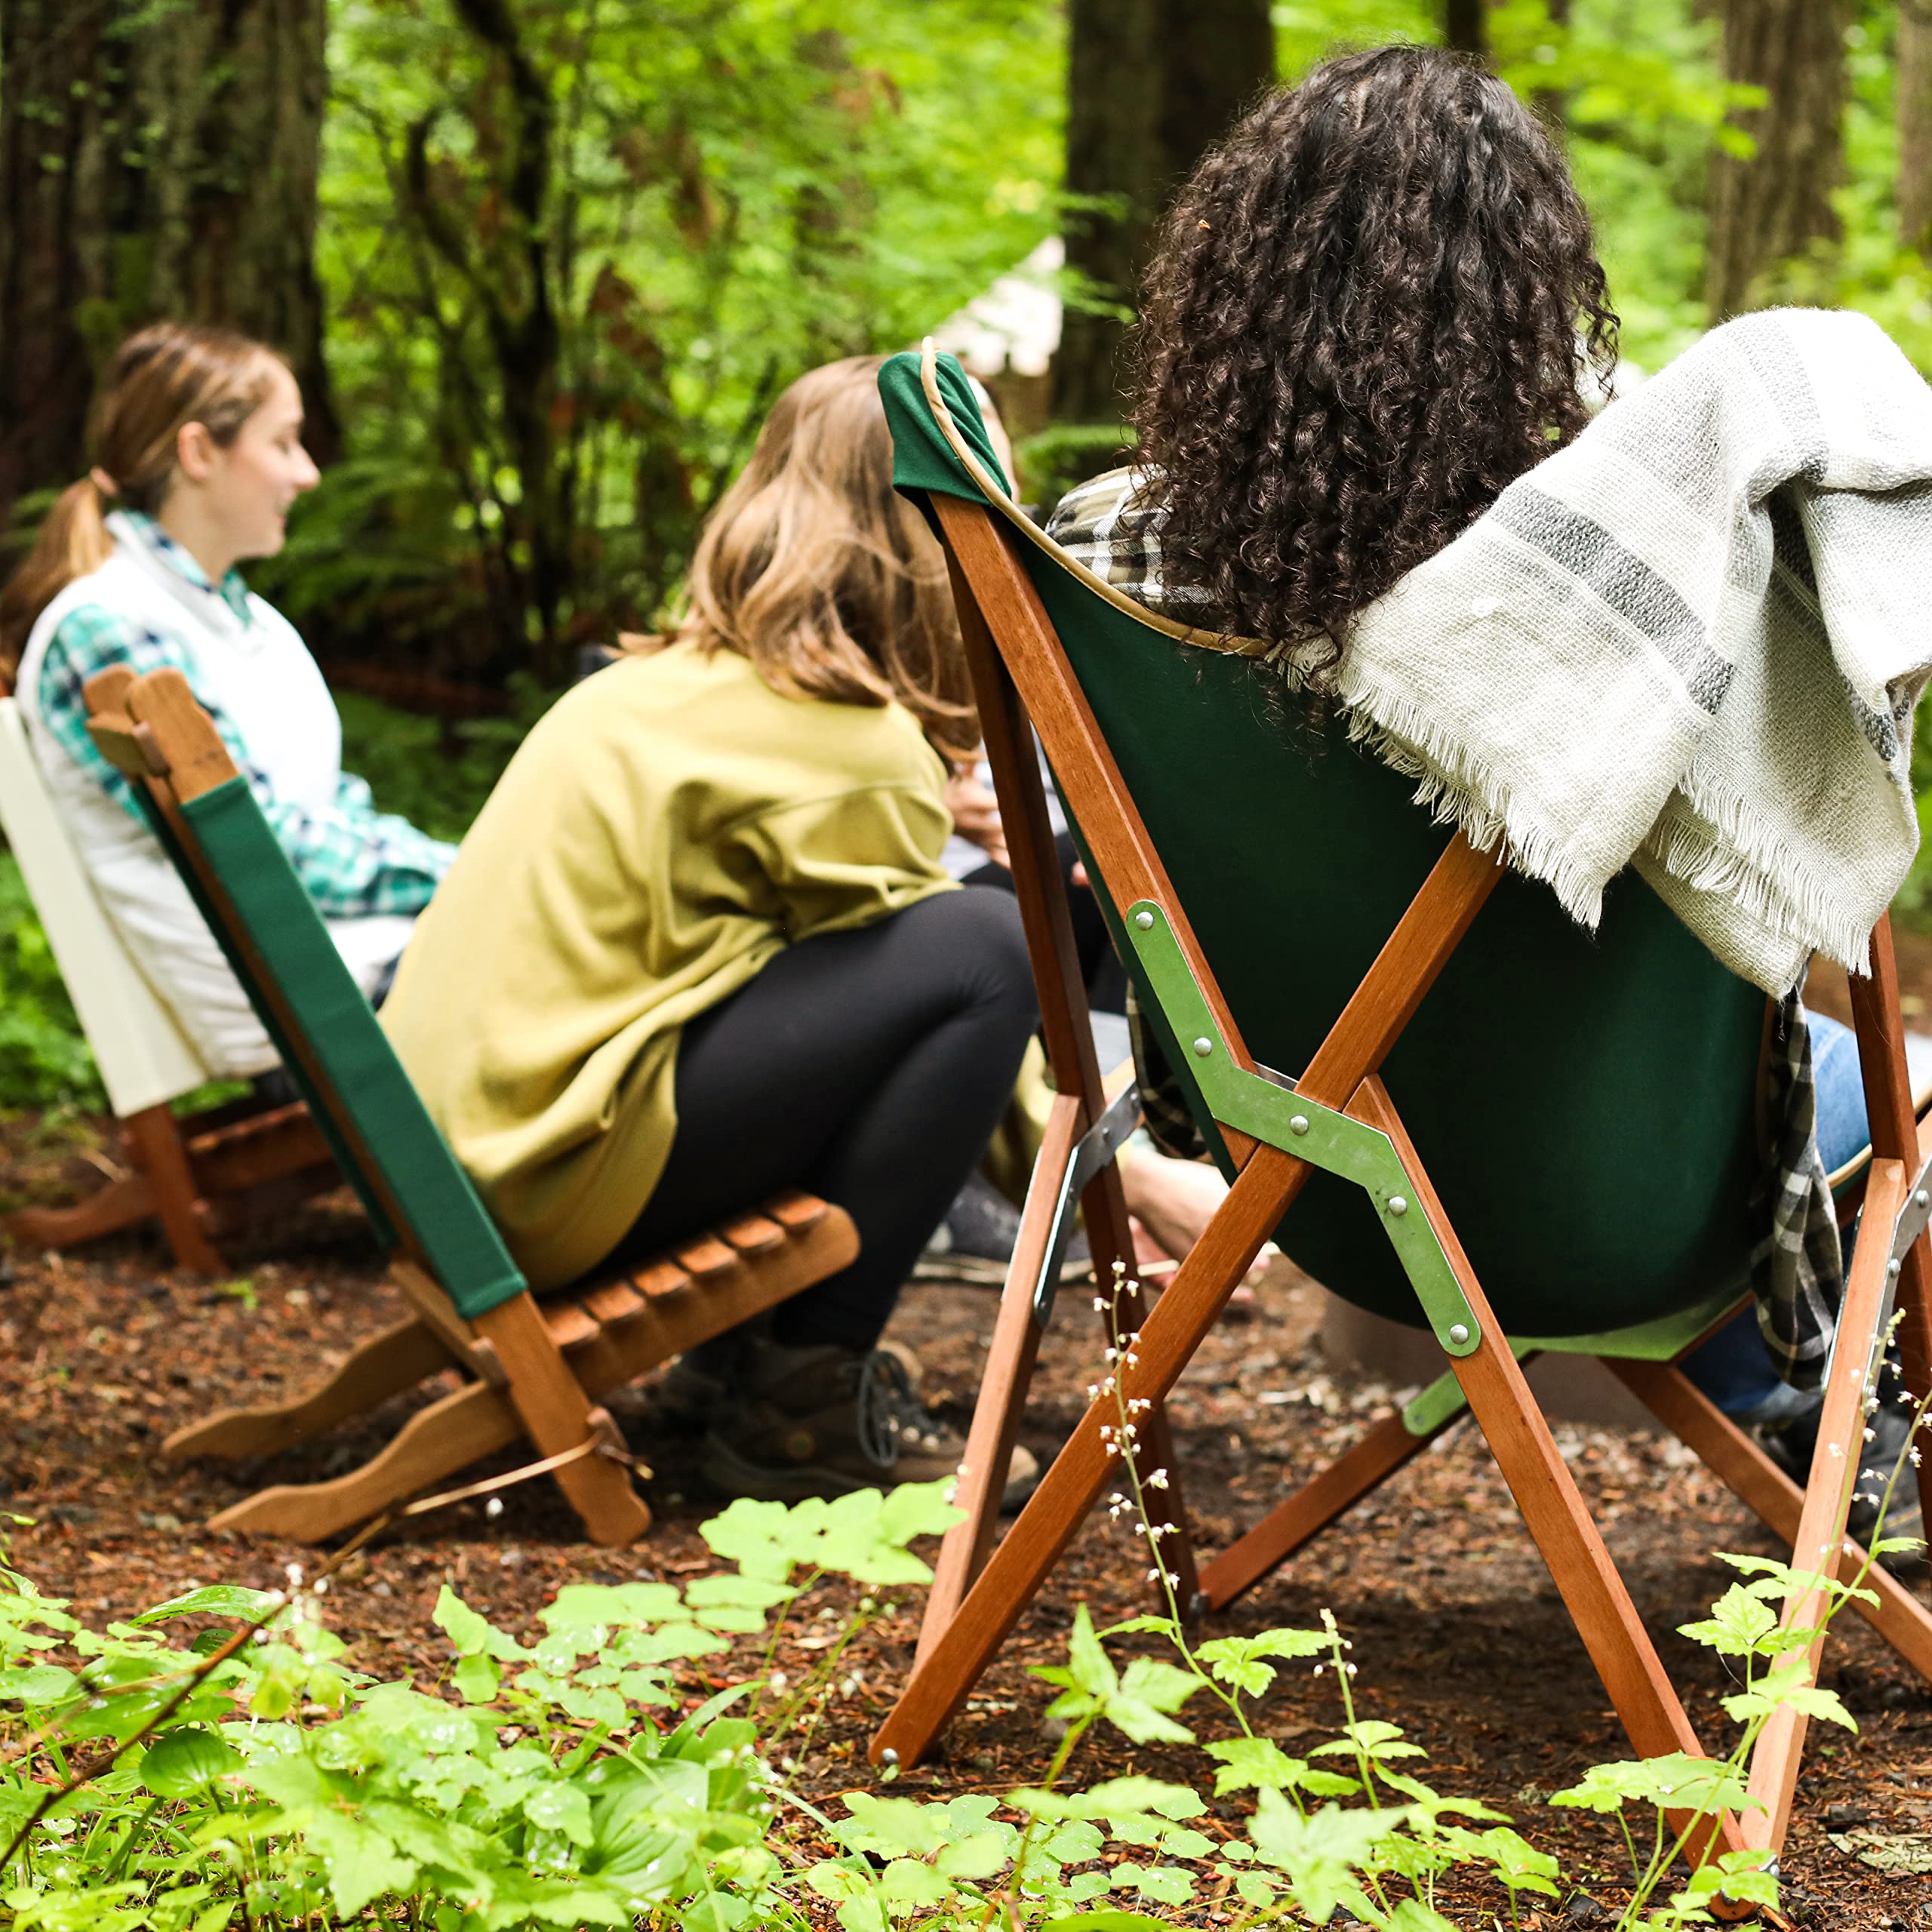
{"x":261,"y":676}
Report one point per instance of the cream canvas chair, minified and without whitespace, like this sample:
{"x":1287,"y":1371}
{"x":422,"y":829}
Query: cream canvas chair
{"x":176,"y":1169}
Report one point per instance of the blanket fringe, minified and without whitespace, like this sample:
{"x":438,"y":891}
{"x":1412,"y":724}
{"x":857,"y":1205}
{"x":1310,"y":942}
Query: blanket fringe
{"x":1732,"y":856}
{"x":1458,"y":791}
{"x":1729,"y":855}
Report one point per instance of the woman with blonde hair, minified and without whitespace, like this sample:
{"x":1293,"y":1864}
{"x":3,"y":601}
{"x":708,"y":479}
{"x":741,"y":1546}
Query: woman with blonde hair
{"x":197,"y":434}
{"x":700,"y":947}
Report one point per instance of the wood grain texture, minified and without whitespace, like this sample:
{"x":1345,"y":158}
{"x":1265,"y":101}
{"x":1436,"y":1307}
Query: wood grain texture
{"x":1003,"y":1384}
{"x":154,"y":1142}
{"x":386,"y":1363}
{"x":1546,"y":1496}
{"x":1835,"y":1460}
{"x":556,"y":1415}
{"x":1895,"y":1135}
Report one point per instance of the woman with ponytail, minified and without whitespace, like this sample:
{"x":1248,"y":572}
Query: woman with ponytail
{"x":197,"y":438}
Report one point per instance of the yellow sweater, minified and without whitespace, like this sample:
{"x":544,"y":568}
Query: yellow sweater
{"x":666,"y":829}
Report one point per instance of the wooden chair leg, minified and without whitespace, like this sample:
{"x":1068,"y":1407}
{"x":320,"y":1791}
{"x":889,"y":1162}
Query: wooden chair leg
{"x":559,"y":1417}
{"x":1168,"y":1339}
{"x":1315,"y":1505}
{"x":398,"y":1359}
{"x":1003,"y":1387}
{"x":115,"y":1205}
{"x":474,"y":1421}
{"x":1827,"y":1494}
{"x":1895,"y":1136}
{"x":1546,"y":1494}
{"x":155,"y":1143}
{"x":1763,"y":1487}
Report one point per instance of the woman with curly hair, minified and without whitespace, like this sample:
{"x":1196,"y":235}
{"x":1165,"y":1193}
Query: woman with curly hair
{"x":1373,"y":306}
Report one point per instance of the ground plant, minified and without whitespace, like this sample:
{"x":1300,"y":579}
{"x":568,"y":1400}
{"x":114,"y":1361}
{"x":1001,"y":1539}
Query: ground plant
{"x":217,"y":1761}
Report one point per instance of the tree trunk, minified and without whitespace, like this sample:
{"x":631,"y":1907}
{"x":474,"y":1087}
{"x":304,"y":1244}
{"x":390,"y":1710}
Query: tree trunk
{"x":1914,"y":112}
{"x":1151,"y":85}
{"x":1775,"y":205}
{"x":1466,"y":26}
{"x":168,"y":171}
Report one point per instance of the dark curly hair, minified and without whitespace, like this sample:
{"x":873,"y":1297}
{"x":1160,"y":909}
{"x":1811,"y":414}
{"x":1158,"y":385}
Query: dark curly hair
{"x":1371,"y":308}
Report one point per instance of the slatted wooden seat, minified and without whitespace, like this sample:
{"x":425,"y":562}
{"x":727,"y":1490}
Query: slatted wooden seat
{"x":528,"y":1368}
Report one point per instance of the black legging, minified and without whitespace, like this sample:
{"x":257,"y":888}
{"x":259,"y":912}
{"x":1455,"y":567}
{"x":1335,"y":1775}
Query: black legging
{"x":869,"y":1068}
{"x":1099,"y":971}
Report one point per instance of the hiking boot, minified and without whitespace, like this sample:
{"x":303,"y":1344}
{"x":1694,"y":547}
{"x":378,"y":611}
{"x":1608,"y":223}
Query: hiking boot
{"x":1791,"y":1442}
{"x":699,"y":1385}
{"x":824,"y":1420}
{"x":974,"y":1243}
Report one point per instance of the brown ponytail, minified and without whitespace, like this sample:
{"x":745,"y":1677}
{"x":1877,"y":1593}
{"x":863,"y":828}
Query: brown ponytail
{"x":161,"y":380}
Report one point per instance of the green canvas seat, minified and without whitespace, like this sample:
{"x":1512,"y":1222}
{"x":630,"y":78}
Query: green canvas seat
{"x":530,"y":1370}
{"x":1478,"y":1118}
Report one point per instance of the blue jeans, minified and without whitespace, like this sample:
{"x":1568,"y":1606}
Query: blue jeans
{"x":1733,"y":1368}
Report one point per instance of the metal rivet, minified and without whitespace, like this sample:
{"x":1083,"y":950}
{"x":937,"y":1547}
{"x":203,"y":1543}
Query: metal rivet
{"x":888,"y":1757}
{"x":1398,"y":1206}
{"x":1203,"y":1047}
{"x":1299,"y":1124}
{"x":1144,"y":920}
{"x":1892,"y":1269}
{"x":1921,"y":1199}
{"x":1458,"y":1334}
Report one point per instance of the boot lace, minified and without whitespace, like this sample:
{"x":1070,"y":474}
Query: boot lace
{"x":889,"y":1412}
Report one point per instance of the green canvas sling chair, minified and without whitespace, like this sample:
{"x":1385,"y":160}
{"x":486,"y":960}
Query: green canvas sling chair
{"x":530,"y":1368}
{"x":1314,"y":952}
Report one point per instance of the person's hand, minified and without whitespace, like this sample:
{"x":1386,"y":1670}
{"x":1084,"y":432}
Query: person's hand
{"x":975,"y":811}
{"x":1172,"y":1201}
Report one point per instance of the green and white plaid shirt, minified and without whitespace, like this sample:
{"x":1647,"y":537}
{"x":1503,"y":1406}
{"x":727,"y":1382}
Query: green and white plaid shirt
{"x":353,"y":859}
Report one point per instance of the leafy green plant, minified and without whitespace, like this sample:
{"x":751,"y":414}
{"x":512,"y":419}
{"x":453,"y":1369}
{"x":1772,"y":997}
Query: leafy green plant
{"x":594,"y":1771}
{"x":1051,"y":463}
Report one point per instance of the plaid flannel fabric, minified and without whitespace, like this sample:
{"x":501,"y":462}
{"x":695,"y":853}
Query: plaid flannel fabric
{"x":352,"y":859}
{"x":1092,"y":525}
{"x":1797,"y":1272}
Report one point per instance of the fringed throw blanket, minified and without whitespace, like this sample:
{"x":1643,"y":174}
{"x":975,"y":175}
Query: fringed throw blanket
{"x":1691,"y":642}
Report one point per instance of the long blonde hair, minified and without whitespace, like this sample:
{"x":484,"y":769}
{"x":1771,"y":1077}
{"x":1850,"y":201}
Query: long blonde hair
{"x":831,"y":584}
{"x":161,"y":380}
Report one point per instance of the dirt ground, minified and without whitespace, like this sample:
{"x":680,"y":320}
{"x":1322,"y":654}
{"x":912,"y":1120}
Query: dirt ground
{"x":1458,"y":1633}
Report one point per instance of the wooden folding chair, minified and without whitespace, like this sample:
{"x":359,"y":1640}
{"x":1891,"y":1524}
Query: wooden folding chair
{"x":191,"y":1173}
{"x":1587,"y":1107}
{"x":530,"y":1368}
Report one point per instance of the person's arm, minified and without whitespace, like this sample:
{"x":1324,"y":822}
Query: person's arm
{"x":351,"y":859}
{"x":845,"y":859}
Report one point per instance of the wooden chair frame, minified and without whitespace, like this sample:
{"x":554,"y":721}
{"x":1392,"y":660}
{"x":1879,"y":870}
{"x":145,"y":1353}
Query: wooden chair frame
{"x":196,"y":1174}
{"x":529,"y":1368}
{"x":1339,"y":1114}
{"x":199,"y":1176}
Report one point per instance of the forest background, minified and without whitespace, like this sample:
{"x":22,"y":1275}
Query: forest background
{"x":542,"y":266}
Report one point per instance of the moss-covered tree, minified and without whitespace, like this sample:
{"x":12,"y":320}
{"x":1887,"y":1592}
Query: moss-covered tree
{"x":157,"y":159}
{"x":1151,"y":85}
{"x":1775,"y":204}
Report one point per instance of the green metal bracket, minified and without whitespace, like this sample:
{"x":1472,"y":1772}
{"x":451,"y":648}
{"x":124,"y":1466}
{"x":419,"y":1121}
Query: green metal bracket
{"x":1266,"y":1107}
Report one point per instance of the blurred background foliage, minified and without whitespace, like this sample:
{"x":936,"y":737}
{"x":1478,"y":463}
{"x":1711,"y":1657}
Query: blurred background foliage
{"x":564,"y":252}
